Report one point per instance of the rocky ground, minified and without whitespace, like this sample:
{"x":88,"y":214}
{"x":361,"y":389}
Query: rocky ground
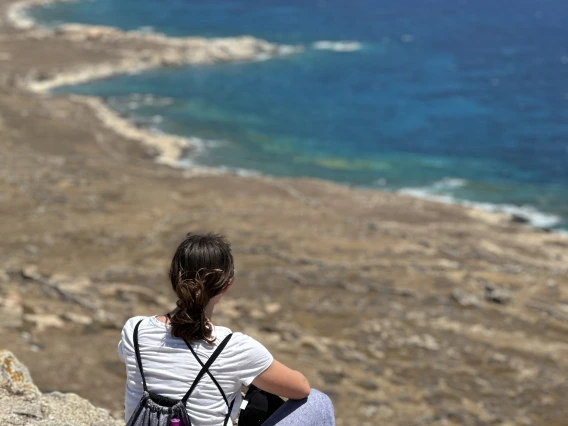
{"x":406,"y":312}
{"x":23,"y":404}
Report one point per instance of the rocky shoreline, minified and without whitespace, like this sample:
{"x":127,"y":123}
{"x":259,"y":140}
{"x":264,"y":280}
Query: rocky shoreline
{"x":405,"y":311}
{"x":157,"y":51}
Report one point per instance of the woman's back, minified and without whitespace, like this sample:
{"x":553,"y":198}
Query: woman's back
{"x":170,"y":368}
{"x":199,"y":388}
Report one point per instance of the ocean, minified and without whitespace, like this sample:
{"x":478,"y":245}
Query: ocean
{"x":460,"y":101}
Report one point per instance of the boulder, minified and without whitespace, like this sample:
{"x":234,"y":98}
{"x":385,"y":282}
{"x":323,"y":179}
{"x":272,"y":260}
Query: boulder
{"x":497,"y":295}
{"x":24,"y":405}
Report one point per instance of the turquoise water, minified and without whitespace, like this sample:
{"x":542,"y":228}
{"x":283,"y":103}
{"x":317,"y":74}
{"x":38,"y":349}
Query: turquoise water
{"x":460,"y":100}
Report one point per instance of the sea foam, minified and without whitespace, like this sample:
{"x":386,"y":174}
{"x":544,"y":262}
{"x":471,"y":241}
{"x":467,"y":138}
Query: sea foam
{"x":435,"y":192}
{"x":337,"y":46}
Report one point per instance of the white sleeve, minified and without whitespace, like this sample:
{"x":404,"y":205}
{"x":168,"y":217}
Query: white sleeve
{"x":122,"y":342}
{"x":120,"y":353}
{"x":254,"y":359}
{"x":126,"y":342}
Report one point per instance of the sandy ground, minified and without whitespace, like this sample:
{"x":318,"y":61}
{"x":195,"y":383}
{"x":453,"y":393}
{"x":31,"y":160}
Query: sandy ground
{"x":405,"y":311}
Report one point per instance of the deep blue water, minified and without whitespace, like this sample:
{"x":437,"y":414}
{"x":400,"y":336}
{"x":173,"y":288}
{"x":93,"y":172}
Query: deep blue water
{"x":464,"y":99}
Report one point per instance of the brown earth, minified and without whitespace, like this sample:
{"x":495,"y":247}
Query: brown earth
{"x":404,"y":311}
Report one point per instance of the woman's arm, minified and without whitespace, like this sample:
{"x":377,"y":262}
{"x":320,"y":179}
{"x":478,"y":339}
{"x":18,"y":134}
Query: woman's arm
{"x":283,"y":381}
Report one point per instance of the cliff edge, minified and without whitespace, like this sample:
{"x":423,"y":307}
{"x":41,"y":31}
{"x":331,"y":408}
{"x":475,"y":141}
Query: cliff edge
{"x":24,"y":405}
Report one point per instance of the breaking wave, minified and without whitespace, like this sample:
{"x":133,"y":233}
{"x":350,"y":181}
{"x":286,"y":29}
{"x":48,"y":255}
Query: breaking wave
{"x":337,"y":46}
{"x":438,"y":191}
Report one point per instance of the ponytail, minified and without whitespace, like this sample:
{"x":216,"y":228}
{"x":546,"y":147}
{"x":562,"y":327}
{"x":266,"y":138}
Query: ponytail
{"x":201,"y":269}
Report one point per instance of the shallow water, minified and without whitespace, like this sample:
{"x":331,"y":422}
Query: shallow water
{"x":460,"y":100}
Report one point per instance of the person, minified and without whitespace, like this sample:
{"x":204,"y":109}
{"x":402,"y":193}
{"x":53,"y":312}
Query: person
{"x":201,"y":273}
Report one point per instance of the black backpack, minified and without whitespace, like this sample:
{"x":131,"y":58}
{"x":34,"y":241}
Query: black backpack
{"x":157,"y":410}
{"x":260,"y":406}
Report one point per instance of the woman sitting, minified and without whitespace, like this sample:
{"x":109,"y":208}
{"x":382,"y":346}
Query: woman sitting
{"x":166,"y":355}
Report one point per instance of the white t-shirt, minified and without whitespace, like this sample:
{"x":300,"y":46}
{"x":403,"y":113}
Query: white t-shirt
{"x":169,"y":368}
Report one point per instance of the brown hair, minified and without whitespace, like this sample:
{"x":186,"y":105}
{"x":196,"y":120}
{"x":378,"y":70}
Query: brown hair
{"x":201,"y":269}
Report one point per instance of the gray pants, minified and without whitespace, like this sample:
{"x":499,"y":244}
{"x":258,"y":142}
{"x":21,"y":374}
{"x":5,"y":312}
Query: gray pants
{"x":315,"y":410}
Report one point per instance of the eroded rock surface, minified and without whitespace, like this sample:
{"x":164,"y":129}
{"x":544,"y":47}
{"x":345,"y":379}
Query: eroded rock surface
{"x":24,"y":405}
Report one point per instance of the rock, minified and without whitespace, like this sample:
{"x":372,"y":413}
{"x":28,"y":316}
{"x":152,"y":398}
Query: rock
{"x":425,"y":342}
{"x":4,"y":277}
{"x":465,"y":299}
{"x":310,"y":342}
{"x":15,"y":378}
{"x":42,"y":321}
{"x":272,"y":308}
{"x":73,"y":285}
{"x":516,"y":218}
{"x":332,"y":377}
{"x":77,"y":318}
{"x":257,"y":314}
{"x":350,"y":354}
{"x":497,"y":295}
{"x":11,"y":311}
{"x":367,"y":384}
{"x":378,"y":411}
{"x":295,"y":278}
{"x":23,"y":404}
{"x":130,"y":293}
{"x":107,"y":320}
{"x":30,"y":272}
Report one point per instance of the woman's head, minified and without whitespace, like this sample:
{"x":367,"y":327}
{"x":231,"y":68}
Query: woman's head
{"x":202,"y":268}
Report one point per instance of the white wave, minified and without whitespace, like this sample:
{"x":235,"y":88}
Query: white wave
{"x":534,"y":216}
{"x":146,"y":29}
{"x":448,"y":184}
{"x":282,"y":50}
{"x":337,"y":46}
{"x":427,"y":194}
{"x":138,"y":100}
{"x":265,"y":56}
{"x":240,"y":171}
{"x":437,"y":191}
{"x":289,"y":50}
{"x":199,"y":144}
{"x":190,"y":164}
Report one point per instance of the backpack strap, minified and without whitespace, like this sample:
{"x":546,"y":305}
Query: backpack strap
{"x":208,"y":373}
{"x":138,"y":358}
{"x":230,"y":406}
{"x":230,"y":411}
{"x":206,"y":367}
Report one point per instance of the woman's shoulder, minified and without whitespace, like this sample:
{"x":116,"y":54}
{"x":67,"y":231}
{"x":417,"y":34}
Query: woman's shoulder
{"x":131,"y":322}
{"x":236,"y":336}
{"x":149,"y":325}
{"x":240,"y":341}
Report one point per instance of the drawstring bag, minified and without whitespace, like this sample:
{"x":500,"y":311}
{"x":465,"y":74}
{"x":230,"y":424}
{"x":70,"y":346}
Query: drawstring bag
{"x":260,"y":405}
{"x":158,"y":410}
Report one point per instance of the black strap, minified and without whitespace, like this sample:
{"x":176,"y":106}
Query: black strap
{"x":230,"y":406}
{"x":206,"y":367}
{"x":230,"y":411}
{"x":208,"y":372}
{"x":202,"y":365}
{"x":138,"y":358}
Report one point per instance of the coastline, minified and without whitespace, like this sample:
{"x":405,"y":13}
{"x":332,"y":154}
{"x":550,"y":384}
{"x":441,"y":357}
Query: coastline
{"x":159,"y":51}
{"x":166,"y":148}
{"x":458,"y":313}
{"x":16,"y":12}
